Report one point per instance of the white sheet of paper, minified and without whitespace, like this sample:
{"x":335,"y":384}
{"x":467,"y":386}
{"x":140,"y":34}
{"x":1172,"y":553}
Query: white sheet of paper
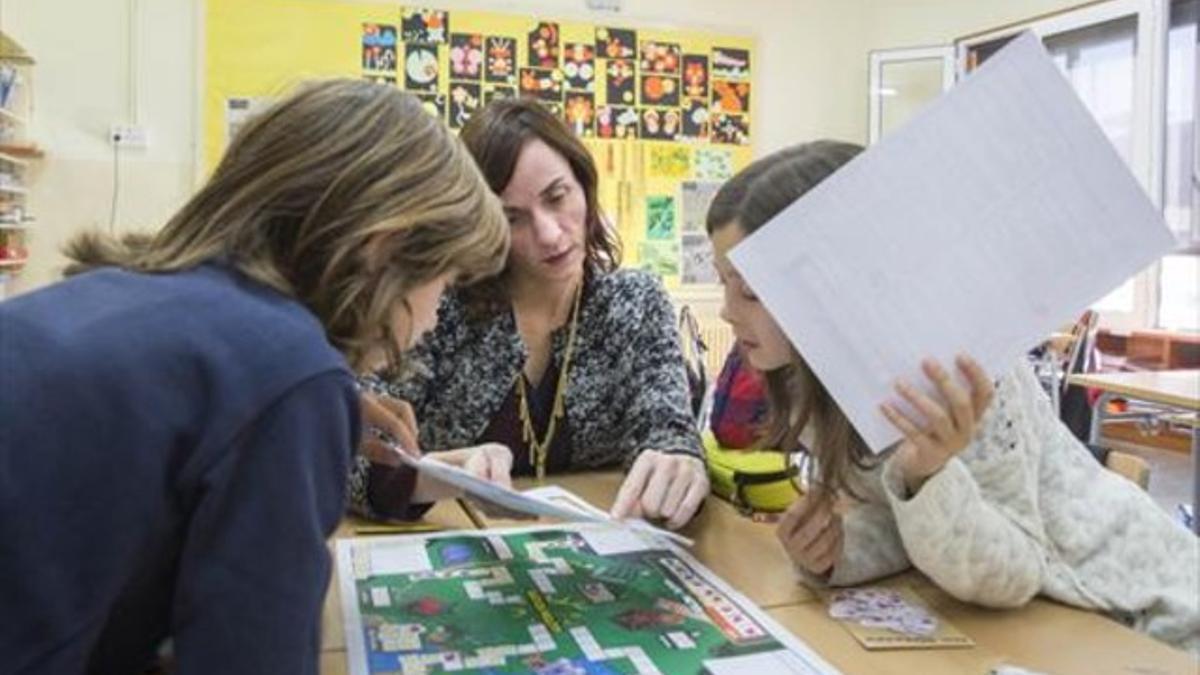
{"x":997,"y":214}
{"x":537,"y":502}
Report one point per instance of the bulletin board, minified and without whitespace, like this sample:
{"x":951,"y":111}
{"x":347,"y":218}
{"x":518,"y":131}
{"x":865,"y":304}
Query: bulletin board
{"x":666,"y":113}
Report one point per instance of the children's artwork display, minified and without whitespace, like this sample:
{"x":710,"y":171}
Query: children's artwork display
{"x":660,"y":218}
{"x":659,"y":94}
{"x":696,"y":197}
{"x":577,"y":598}
{"x":659,"y":256}
{"x":696,"y":257}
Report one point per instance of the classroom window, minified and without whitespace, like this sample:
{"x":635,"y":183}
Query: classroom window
{"x":1113,"y":54}
{"x":1098,"y":61}
{"x":1179,"y":274}
{"x":902,"y":82}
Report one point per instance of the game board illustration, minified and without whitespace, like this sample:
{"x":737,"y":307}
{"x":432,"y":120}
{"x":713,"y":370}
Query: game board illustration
{"x":578,"y":598}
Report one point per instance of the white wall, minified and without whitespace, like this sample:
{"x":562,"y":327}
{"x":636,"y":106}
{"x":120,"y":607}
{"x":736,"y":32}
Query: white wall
{"x":811,"y":82}
{"x":810,"y":73}
{"x":919,"y":23}
{"x":81,"y":85}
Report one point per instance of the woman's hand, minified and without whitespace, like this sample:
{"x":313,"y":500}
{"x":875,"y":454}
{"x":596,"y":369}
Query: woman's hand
{"x":670,"y":486}
{"x":491,"y":462}
{"x":944,"y":432}
{"x":394,"y":418}
{"x":811,"y":533}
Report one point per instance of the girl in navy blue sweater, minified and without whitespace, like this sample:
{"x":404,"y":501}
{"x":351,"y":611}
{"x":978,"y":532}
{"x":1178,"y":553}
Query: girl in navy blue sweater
{"x":177,"y":417}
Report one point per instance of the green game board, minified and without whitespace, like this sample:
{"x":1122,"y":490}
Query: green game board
{"x":543,"y":600}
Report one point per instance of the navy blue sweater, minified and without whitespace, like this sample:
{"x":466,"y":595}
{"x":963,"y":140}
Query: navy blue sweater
{"x":173,"y":455}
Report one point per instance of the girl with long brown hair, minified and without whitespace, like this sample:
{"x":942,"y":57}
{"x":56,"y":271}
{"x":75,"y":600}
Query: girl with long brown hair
{"x":179,"y":415}
{"x":988,"y":493}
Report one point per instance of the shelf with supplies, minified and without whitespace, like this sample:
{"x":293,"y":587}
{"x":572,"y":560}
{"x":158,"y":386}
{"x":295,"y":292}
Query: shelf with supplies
{"x":10,"y":159}
{"x":17,"y":156}
{"x":11,"y":117}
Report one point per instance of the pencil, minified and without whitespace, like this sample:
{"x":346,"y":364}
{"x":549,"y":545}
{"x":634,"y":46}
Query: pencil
{"x":400,"y":528}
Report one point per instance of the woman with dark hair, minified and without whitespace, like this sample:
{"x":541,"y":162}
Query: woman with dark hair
{"x":568,"y":361}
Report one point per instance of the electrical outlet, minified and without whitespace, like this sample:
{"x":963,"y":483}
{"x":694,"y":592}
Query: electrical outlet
{"x":128,"y":135}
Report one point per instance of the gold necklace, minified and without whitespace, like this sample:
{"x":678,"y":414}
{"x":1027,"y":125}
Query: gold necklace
{"x":539,"y":449}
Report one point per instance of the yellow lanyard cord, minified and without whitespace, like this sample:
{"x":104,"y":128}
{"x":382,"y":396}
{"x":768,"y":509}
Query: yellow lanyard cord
{"x":539,"y":449}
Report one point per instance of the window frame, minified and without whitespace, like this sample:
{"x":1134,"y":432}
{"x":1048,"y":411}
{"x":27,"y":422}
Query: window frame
{"x":1148,"y":125}
{"x":878,"y":58}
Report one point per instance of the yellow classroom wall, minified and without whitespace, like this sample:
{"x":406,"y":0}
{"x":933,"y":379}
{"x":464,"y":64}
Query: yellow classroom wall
{"x":810,"y":81}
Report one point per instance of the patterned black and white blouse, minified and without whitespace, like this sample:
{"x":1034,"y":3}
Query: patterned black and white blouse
{"x":626,"y":390}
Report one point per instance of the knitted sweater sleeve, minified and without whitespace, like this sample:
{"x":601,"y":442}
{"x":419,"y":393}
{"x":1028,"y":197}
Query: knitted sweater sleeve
{"x":974,"y":527}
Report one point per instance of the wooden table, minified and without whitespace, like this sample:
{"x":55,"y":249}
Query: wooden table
{"x":1043,"y":635}
{"x":1175,"y":389}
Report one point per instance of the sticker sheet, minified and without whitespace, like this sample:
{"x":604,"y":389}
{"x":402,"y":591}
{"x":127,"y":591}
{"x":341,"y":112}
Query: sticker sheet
{"x":893,"y":618}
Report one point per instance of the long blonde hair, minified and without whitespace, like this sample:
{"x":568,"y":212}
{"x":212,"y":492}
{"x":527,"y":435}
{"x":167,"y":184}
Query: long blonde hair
{"x":346,"y":196}
{"x":796,"y":399}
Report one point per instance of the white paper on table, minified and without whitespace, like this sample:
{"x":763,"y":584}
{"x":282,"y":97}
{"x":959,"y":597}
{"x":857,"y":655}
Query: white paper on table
{"x":537,"y":502}
{"x":994,"y":216}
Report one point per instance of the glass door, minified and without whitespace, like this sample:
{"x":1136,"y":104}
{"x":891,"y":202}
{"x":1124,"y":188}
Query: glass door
{"x":903,"y":81}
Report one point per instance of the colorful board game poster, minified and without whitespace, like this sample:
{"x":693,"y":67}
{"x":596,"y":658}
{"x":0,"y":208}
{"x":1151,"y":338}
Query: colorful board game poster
{"x":594,"y":599}
{"x":660,"y":217}
{"x":579,"y":112}
{"x":435,"y":104}
{"x":673,"y":162}
{"x":695,"y":76}
{"x":696,"y":260}
{"x":695,"y":118}
{"x":497,"y":91}
{"x":579,"y":66}
{"x":542,"y":84}
{"x":421,"y":68}
{"x":658,"y":90}
{"x":661,"y":124}
{"x":501,"y":60}
{"x":616,"y":43}
{"x":465,"y":99}
{"x":615,"y":121}
{"x":659,"y":257}
{"x":730,"y":64}
{"x":695,"y":196}
{"x":543,"y":45}
{"x":660,"y":57}
{"x":713,"y":164}
{"x":429,"y":26}
{"x":731,"y":129}
{"x":730,"y":97}
{"x":378,"y":47}
{"x":466,"y":56}
{"x":620,"y":78}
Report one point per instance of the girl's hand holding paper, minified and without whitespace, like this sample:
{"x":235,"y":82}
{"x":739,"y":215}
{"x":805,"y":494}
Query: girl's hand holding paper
{"x":943,"y":433}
